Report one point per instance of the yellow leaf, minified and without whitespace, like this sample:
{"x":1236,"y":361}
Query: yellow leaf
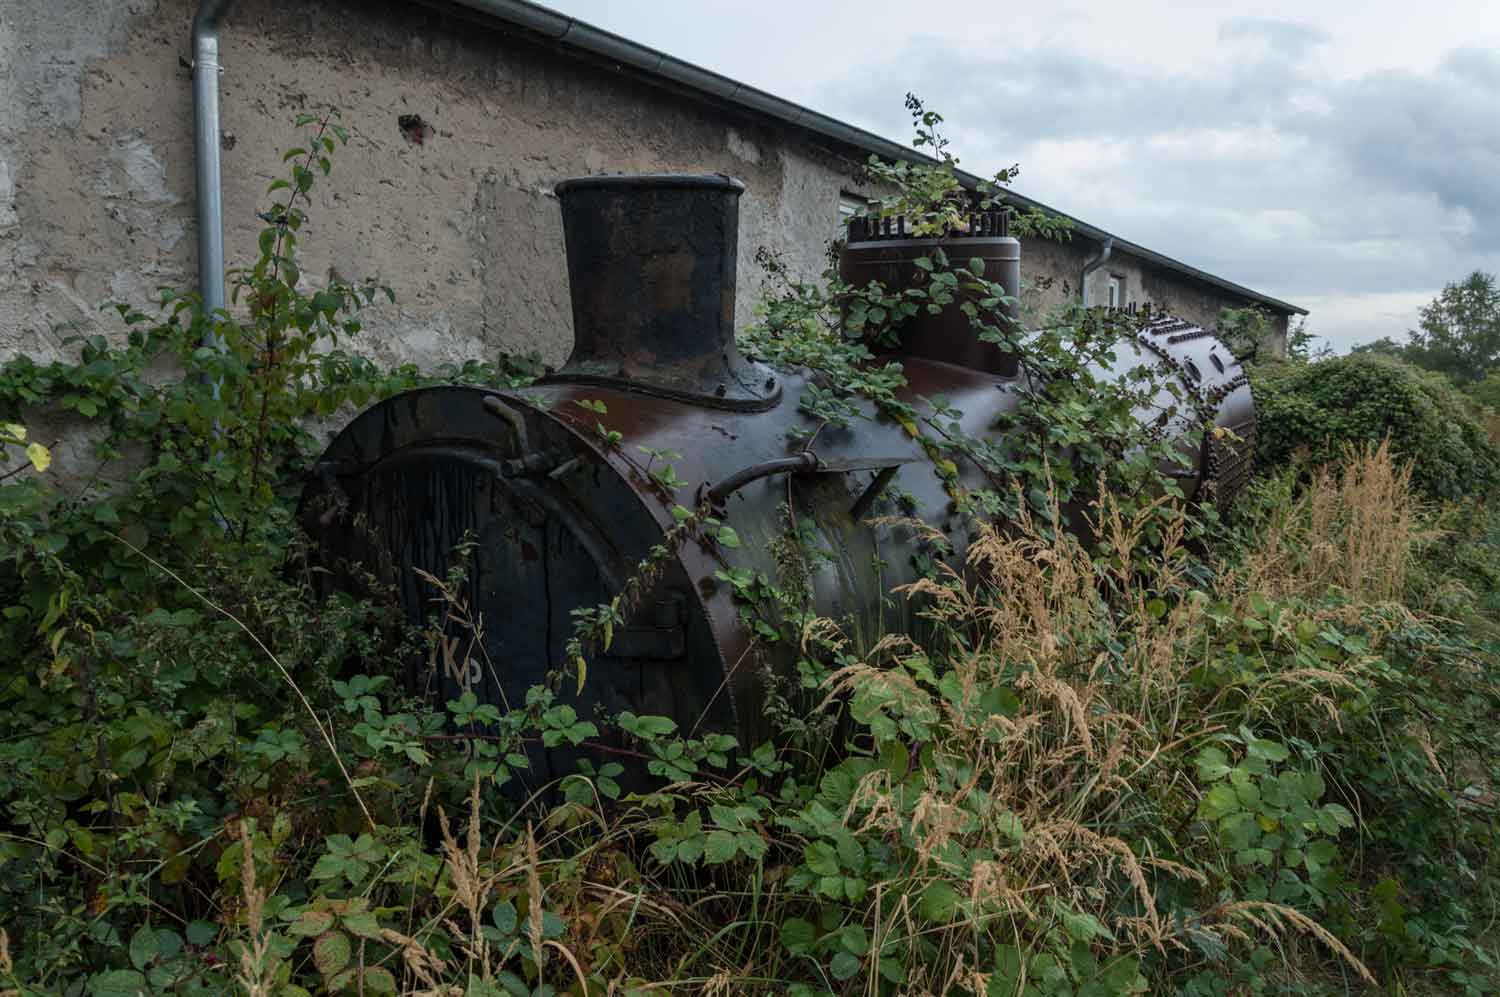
{"x":12,"y":432}
{"x":910,"y":427}
{"x":583,"y":672}
{"x":40,"y":456}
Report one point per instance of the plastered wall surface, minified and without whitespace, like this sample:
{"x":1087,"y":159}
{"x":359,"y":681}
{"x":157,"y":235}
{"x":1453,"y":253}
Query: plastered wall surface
{"x":96,"y":171}
{"x":1053,"y":271}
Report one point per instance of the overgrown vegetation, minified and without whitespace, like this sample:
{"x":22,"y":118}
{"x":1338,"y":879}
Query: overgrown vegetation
{"x":1437,"y":395}
{"x":1116,"y":767}
{"x":1317,"y":409}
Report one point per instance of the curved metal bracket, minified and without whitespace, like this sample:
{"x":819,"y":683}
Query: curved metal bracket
{"x":495,"y":405}
{"x":802,"y":463}
{"x":808,"y":462}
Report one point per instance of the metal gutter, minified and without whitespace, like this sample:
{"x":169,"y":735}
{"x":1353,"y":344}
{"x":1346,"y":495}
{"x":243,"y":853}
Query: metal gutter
{"x":1093,"y":264}
{"x":210,"y":193}
{"x":569,"y":31}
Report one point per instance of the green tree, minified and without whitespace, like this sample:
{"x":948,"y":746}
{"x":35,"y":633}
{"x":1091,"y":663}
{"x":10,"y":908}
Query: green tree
{"x":1487,"y":391}
{"x":1460,"y":330}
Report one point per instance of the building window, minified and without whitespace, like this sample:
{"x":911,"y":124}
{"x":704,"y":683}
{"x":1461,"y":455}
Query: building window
{"x":849,"y":206}
{"x":1116,"y":291}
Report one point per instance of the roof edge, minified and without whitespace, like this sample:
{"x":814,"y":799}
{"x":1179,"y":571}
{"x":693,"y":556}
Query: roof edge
{"x":567,"y":30}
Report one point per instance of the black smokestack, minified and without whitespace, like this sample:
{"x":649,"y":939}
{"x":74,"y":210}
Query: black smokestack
{"x":651,"y":268}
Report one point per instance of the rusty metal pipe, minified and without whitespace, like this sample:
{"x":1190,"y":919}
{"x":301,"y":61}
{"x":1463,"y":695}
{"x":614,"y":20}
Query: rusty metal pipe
{"x":802,"y":463}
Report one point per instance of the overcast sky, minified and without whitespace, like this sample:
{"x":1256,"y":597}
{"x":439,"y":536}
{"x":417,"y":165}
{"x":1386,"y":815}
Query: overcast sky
{"x":1343,"y":155}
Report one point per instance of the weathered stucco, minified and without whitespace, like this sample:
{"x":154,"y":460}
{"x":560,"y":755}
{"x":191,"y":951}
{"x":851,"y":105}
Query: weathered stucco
{"x":96,"y":173}
{"x":1054,"y":270}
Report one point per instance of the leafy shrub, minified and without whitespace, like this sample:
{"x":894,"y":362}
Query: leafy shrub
{"x":1487,"y":391}
{"x":1317,"y":409}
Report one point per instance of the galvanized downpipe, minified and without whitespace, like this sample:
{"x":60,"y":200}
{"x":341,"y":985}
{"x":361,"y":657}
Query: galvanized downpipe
{"x":1091,"y":266}
{"x":206,"y":152}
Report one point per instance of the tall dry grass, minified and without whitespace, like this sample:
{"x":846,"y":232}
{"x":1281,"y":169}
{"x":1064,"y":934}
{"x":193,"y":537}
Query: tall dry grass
{"x":1098,"y":651}
{"x":1355,"y":528}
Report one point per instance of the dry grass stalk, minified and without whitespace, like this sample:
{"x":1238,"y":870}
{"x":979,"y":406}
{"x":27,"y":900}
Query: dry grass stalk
{"x":7,"y":965}
{"x":534,"y":897}
{"x":1272,"y":918}
{"x":256,"y":967}
{"x":470,"y":889}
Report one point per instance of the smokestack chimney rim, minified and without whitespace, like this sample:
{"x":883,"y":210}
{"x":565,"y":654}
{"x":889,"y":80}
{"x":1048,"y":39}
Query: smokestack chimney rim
{"x":702,"y":181}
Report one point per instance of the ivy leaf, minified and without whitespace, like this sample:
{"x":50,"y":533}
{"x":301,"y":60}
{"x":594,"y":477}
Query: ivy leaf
{"x":821,"y":858}
{"x":118,"y":983}
{"x":1221,"y":800}
{"x":379,"y":980}
{"x":201,"y":932}
{"x":1213,"y":764}
{"x":503,"y":916}
{"x":1332,"y":817}
{"x":1271,"y":751}
{"x":312,"y":923}
{"x":1082,"y":927}
{"x":143,"y":947}
{"x":752,"y":844}
{"x":1009,"y":824}
{"x":363,"y":925}
{"x":40,"y":456}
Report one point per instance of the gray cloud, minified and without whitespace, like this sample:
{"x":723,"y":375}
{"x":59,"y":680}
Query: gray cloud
{"x":1290,"y":38}
{"x":1438,"y":133}
{"x":1258,"y":165}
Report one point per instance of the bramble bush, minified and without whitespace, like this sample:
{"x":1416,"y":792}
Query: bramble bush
{"x":1318,"y":408}
{"x":1115,"y":766}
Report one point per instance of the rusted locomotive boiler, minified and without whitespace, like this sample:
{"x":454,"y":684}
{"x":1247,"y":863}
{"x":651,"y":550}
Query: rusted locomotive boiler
{"x":560,"y":516}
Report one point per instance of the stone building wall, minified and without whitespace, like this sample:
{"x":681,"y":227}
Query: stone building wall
{"x":1053,"y":270}
{"x":96,"y":168}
